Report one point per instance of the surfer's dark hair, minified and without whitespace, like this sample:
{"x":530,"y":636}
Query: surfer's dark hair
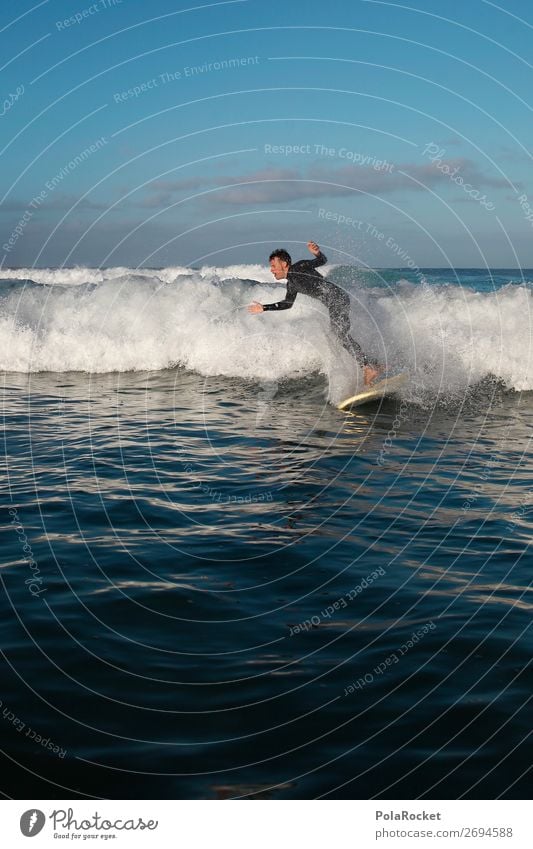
{"x":281,"y":254}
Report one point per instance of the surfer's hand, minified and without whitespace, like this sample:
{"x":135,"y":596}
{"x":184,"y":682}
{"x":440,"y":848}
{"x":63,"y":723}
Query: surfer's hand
{"x":313,"y":247}
{"x":255,"y":307}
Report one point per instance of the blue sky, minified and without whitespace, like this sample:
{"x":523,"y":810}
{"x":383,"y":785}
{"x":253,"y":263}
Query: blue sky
{"x":187,"y":133}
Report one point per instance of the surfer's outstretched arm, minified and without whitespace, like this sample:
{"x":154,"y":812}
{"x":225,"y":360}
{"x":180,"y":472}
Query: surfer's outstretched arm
{"x":320,"y":258}
{"x":285,"y":304}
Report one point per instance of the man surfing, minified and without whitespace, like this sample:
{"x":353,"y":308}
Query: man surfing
{"x":304,"y":278}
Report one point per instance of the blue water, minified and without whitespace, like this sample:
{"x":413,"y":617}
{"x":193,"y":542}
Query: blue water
{"x":217,"y":585}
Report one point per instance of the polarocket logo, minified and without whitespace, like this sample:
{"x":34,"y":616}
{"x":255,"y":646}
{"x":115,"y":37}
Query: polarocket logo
{"x":31,"y":822}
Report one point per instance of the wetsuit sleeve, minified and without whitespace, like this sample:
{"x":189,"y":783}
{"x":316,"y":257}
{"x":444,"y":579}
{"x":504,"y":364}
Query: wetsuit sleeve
{"x":307,"y":266}
{"x":286,"y":303}
{"x":319,"y":260}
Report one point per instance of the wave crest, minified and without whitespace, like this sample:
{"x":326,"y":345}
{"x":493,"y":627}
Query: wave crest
{"x":117,"y":319}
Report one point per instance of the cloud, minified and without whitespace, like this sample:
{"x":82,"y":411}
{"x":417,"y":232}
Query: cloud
{"x":53,"y":201}
{"x":284,"y":185}
{"x":514,"y":154}
{"x":452,"y":141}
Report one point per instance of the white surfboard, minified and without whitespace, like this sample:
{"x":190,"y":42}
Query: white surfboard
{"x":380,"y":389}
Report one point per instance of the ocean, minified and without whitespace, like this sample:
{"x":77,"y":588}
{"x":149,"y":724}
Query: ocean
{"x":217,"y":585}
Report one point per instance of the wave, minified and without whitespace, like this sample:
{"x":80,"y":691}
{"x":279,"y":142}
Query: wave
{"x":78,"y":275}
{"x":120,"y":319}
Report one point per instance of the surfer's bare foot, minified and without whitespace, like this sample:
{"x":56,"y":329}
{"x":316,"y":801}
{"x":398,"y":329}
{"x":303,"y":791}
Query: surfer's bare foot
{"x":370,"y":373}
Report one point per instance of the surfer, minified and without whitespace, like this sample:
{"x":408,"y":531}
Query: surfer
{"x":303,"y":277}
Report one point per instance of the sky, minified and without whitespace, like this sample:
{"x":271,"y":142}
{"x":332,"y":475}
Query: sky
{"x":168,"y":133}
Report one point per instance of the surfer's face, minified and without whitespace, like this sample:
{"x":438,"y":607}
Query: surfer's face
{"x":278,"y":268}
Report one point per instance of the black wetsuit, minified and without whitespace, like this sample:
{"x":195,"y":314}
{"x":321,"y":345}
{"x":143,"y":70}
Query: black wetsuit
{"x":303,"y":277}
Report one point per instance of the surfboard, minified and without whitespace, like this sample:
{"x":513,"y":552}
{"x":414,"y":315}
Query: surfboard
{"x":380,"y":389}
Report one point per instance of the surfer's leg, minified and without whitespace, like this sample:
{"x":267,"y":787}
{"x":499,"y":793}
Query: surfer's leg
{"x":339,"y":316}
{"x":353,"y":348}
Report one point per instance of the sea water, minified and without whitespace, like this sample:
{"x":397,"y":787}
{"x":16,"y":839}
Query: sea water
{"x":217,"y":585}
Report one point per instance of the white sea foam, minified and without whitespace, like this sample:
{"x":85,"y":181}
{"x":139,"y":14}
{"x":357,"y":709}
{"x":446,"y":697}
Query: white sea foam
{"x":81,"y":274}
{"x":122,"y":319}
